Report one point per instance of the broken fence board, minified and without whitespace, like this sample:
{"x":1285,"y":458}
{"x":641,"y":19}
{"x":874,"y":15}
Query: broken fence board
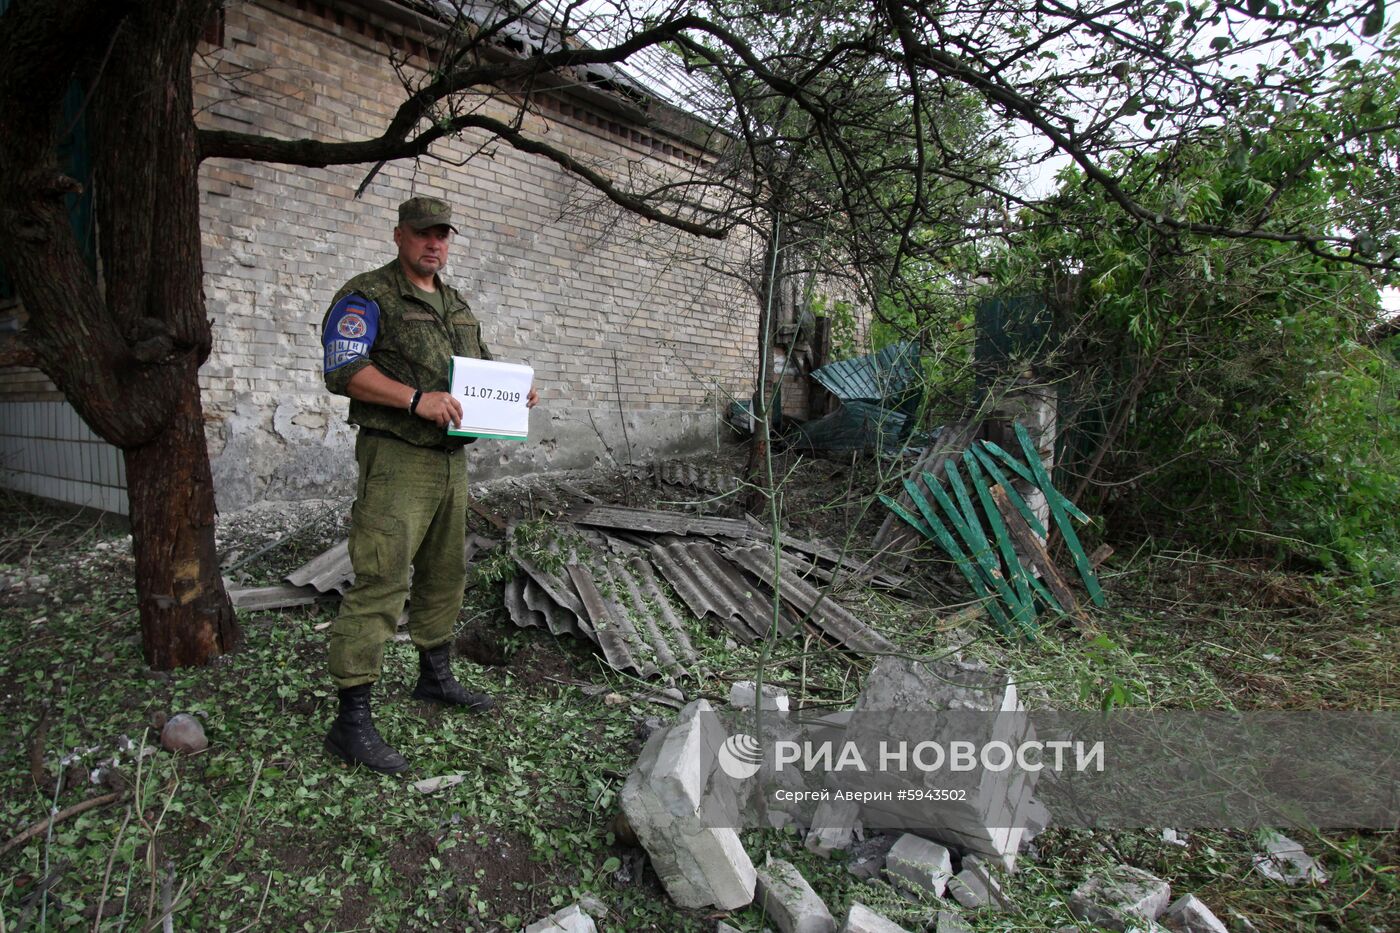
{"x":1034,"y":550}
{"x":1059,"y":508}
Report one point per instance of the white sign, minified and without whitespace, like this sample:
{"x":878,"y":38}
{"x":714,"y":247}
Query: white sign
{"x":492,"y":396}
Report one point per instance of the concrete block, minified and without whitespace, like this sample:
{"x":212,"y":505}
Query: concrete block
{"x":699,"y":865}
{"x":789,"y":900}
{"x":571,"y":919}
{"x":744,"y":693}
{"x":1189,"y":915}
{"x":861,"y":919}
{"x":947,"y":922}
{"x":1120,"y":898}
{"x":916,"y":864}
{"x":975,"y":886}
{"x":834,"y":825}
{"x":1283,"y":860}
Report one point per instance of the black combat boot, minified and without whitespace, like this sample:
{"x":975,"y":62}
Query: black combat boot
{"x":436,"y":683}
{"x":353,"y":738}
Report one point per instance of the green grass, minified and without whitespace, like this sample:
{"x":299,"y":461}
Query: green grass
{"x":265,"y":831}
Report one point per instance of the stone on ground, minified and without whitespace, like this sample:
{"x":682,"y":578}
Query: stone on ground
{"x":789,"y":900}
{"x":833,"y":826}
{"x":1120,"y":898}
{"x":975,"y":886}
{"x":991,"y":812}
{"x":861,"y":919}
{"x":1189,"y":915}
{"x":744,"y":695}
{"x":569,"y":920}
{"x":1284,"y":861}
{"x":698,"y":858}
{"x":947,"y":922}
{"x":868,"y":856}
{"x":183,"y":733}
{"x":916,"y":864}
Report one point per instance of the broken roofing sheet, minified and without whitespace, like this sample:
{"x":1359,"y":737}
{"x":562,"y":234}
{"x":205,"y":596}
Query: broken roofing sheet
{"x":612,"y":590}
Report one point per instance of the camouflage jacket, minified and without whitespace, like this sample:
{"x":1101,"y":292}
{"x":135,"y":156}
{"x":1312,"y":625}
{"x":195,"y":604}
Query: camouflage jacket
{"x":376,"y":318}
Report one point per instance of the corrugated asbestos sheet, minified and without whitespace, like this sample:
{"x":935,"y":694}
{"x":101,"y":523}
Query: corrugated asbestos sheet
{"x":615,"y":598}
{"x":670,"y":523}
{"x":615,"y":594}
{"x":681,"y":473}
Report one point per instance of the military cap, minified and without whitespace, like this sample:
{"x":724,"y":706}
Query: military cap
{"x":422,"y":213}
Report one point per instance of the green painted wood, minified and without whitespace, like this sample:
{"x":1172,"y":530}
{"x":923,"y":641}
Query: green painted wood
{"x":1045,"y":595}
{"x":1017,"y":500}
{"x":973,"y":536}
{"x":1021,"y":470}
{"x":907,"y":516}
{"x":1062,"y":519}
{"x":964,"y":564}
{"x":1017,"y":575}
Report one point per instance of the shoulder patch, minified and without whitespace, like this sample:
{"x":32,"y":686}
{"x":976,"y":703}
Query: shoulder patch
{"x":351,"y":328}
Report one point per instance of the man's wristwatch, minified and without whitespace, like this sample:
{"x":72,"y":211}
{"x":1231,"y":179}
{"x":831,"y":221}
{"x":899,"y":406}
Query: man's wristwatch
{"x":413,"y":405}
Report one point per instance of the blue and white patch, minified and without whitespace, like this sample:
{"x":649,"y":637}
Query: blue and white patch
{"x":351,"y":328}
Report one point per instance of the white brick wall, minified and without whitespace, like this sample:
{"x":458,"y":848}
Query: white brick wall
{"x":557,"y":281}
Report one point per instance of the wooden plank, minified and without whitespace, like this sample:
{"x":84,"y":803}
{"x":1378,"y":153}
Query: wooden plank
{"x":961,"y":560}
{"x":999,"y":478}
{"x":257,"y":598}
{"x":981,"y":551}
{"x":1062,"y":521}
{"x":498,"y":523}
{"x":1020,"y":577}
{"x":1034,"y":549}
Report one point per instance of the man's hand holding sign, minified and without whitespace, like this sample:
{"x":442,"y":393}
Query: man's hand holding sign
{"x":494,"y":398}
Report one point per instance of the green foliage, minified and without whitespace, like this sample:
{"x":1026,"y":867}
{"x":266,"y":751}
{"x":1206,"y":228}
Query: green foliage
{"x":1223,"y":377}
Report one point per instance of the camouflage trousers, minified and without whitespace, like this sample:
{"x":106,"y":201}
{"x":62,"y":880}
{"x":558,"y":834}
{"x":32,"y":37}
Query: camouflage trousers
{"x":410,"y":511}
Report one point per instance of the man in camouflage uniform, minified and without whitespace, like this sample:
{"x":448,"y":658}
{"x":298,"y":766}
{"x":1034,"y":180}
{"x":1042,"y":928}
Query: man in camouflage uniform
{"x":389,"y":338}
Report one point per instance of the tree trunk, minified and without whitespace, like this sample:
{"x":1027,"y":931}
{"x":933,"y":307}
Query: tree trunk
{"x":186,"y":617}
{"x":125,"y":351}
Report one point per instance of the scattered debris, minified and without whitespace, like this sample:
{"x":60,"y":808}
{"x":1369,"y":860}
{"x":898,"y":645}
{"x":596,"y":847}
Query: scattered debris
{"x":915,"y":864}
{"x":999,"y":547}
{"x":684,"y":473}
{"x":699,"y":866}
{"x":867,"y":857}
{"x":655,"y":522}
{"x":995,"y":817}
{"x":183,"y":733}
{"x":861,"y":919}
{"x":1118,"y":899}
{"x":1283,"y":860}
{"x":834,"y":825}
{"x":948,"y":922}
{"x":434,"y":784}
{"x":1189,"y":915}
{"x":743,"y":695}
{"x":789,"y":901}
{"x":255,"y":598}
{"x":975,"y":886}
{"x":571,"y":919}
{"x":1173,"y":838}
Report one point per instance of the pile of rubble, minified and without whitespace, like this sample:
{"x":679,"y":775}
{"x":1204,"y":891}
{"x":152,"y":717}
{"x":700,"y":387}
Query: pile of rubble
{"x":683,"y":802}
